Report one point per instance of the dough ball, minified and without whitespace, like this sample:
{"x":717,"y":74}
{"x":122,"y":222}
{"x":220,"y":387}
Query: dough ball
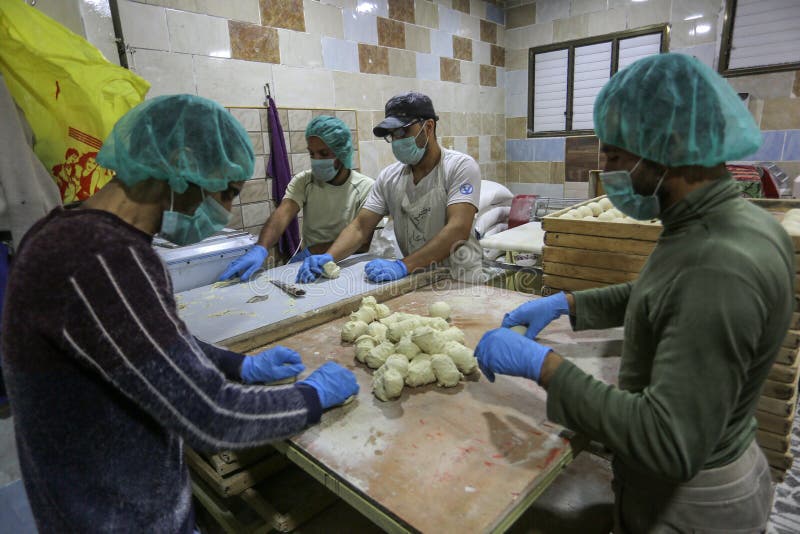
{"x":369,"y":302}
{"x":407,"y":347}
{"x":330,"y":270}
{"x":590,"y":218}
{"x":575,"y":214}
{"x":520,"y":329}
{"x":399,"y":329}
{"x":445,"y":370}
{"x":582,"y":212}
{"x":420,"y":372}
{"x":399,"y":363}
{"x":377,"y":330}
{"x":387,"y":383}
{"x":567,"y":215}
{"x":437,"y":323}
{"x":792,"y":215}
{"x":452,"y":334}
{"x":352,"y":329}
{"x":792,"y":227}
{"x":427,"y":339}
{"x":606,"y":216}
{"x":382,"y":310}
{"x":606,"y":204}
{"x":377,"y":355}
{"x":363,"y":345}
{"x":365,"y":313}
{"x":439,"y":309}
{"x":394,"y":318}
{"x":596,"y":208}
{"x":617,"y":214}
{"x":462,"y":356}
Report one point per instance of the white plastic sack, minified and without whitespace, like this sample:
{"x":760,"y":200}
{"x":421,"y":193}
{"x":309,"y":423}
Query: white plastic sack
{"x":491,"y":218}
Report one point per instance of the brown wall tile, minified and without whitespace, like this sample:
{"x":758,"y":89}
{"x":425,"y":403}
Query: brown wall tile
{"x":448,"y":142}
{"x":253,"y":42}
{"x":781,"y":114}
{"x":488,"y":31}
{"x":473,"y":144}
{"x":498,"y":148}
{"x":517,"y":128}
{"x":488,"y":76}
{"x":534,"y":172}
{"x":498,"y":56}
{"x":462,"y":48}
{"x":517,"y":17}
{"x":402,"y":10}
{"x":581,"y":156}
{"x":391,"y":33}
{"x":373,"y":59}
{"x":283,"y":14}
{"x":487,"y":124}
{"x":461,"y":5}
{"x":449,"y":69}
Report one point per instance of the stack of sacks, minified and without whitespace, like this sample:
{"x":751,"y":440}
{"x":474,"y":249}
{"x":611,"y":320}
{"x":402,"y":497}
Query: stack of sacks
{"x":493,"y":212}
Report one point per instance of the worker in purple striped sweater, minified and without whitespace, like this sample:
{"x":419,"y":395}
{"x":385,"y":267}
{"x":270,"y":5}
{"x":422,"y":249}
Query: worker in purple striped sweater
{"x":106,"y":382}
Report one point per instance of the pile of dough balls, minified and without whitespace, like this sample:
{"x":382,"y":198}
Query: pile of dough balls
{"x":602,"y":210}
{"x":791,"y":221}
{"x":408,"y":349}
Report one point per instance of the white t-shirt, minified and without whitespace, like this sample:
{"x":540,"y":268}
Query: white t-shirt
{"x":327,"y":208}
{"x":462,"y":181}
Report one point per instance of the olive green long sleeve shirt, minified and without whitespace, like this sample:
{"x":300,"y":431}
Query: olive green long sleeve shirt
{"x":703,"y":325}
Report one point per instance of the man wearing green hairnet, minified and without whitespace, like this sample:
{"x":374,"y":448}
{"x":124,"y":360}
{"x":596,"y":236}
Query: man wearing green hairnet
{"x":703,"y":322}
{"x":330,"y":195}
{"x":106,"y":382}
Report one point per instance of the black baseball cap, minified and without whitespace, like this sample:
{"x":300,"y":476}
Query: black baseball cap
{"x":403,"y":109}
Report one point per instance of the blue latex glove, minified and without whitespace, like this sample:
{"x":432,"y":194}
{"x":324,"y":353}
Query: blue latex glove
{"x":312,"y":267}
{"x":271,"y":365}
{"x":508,"y":353}
{"x":300,"y":256}
{"x":385,"y":270}
{"x":536,"y":314}
{"x":246,"y":265}
{"x":334,"y":384}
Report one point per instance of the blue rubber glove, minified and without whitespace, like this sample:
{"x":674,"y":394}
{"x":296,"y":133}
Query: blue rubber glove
{"x":385,"y":270}
{"x":271,"y":365}
{"x":538,"y":313}
{"x":312,"y":267}
{"x":508,"y":353}
{"x":300,"y":256}
{"x":334,"y":384}
{"x":246,"y":265}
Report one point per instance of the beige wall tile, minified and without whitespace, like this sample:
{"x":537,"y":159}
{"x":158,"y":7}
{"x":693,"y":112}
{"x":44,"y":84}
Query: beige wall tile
{"x":516,"y":59}
{"x":764,"y":86}
{"x":244,"y":10}
{"x":402,"y":10}
{"x":402,"y":63}
{"x":450,"y":70}
{"x":364,"y":124}
{"x":530,"y":36}
{"x":781,"y":114}
{"x":283,"y":14}
{"x":462,"y":48}
{"x":498,"y":148}
{"x":212,"y":76}
{"x":487,"y":124}
{"x":796,"y":86}
{"x":459,"y":124}
{"x":391,"y":33}
{"x":469,"y":27}
{"x":534,"y":172}
{"x":373,"y":59}
{"x":257,"y":140}
{"x":427,"y":14}
{"x":299,"y":162}
{"x":473,"y":147}
{"x":256,"y":190}
{"x":353,"y":90}
{"x":255,"y":214}
{"x":418,"y":39}
{"x":557,"y":172}
{"x":488,"y":31}
{"x":470,"y":73}
{"x":654,"y":12}
{"x":298,"y":119}
{"x":254,"y":43}
{"x":579,"y":7}
{"x":323,"y":19}
{"x":571,"y":28}
{"x":447,"y":142}
{"x":445,"y":124}
{"x":603,"y":22}
{"x":297,"y":143}
{"x":474,"y":123}
{"x":347,"y":117}
{"x":300,"y":49}
{"x":517,"y":17}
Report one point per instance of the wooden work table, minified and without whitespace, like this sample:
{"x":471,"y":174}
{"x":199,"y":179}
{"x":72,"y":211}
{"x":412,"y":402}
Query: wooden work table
{"x":470,"y":458}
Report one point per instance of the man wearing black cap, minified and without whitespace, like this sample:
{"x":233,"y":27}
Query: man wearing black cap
{"x":431,"y":193}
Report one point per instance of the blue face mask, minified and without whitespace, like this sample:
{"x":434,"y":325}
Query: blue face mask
{"x":406,"y":149}
{"x":619,"y":188}
{"x":209,"y":218}
{"x":323,"y":170}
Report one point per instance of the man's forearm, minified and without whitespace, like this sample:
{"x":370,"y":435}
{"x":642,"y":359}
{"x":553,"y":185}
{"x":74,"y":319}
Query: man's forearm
{"x":437,"y":249}
{"x":272,"y":230}
{"x":348,"y":241}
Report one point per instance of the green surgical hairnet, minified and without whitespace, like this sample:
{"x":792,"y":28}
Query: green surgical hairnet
{"x":676,"y":111}
{"x":181,"y":139}
{"x":334,"y":133}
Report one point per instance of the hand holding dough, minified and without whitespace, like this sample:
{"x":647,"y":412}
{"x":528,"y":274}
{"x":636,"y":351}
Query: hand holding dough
{"x":330,"y":270}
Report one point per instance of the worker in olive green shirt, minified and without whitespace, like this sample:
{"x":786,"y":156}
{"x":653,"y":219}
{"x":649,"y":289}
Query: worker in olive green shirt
{"x":330,"y":194}
{"x":703,"y":322}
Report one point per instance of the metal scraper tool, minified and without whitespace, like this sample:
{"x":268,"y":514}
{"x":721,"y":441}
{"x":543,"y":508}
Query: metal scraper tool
{"x":289,"y":288}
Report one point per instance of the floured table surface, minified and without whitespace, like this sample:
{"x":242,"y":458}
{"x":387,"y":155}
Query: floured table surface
{"x":436,"y":459}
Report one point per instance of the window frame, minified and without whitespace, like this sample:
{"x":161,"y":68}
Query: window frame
{"x":727,"y":43}
{"x":614,"y":38}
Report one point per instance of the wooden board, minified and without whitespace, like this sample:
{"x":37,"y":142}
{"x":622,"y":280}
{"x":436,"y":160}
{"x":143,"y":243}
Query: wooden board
{"x":238,"y":482}
{"x":569,"y":284}
{"x":786,"y":356}
{"x":787,"y":374}
{"x":631,"y":263}
{"x":778,"y":390}
{"x":792,"y":339}
{"x":774,"y":423}
{"x":607,"y":276}
{"x":641,"y":231}
{"x":607,"y":244}
{"x":779,"y":460}
{"x":780,"y":407}
{"x":773,"y":441}
{"x":478,"y":450}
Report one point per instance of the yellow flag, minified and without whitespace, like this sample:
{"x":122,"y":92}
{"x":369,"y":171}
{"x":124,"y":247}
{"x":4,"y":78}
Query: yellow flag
{"x":70,"y":93}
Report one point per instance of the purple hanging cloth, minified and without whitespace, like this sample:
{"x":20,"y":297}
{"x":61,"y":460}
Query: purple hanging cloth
{"x":278,"y":169}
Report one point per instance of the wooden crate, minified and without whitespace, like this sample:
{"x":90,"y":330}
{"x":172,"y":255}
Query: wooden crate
{"x":580,"y":254}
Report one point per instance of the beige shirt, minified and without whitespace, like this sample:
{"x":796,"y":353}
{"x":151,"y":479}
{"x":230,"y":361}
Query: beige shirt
{"x":327,"y":208}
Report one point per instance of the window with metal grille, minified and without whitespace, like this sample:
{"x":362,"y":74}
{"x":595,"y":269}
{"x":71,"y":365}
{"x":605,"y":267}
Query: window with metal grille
{"x":760,"y":36}
{"x":565,"y":78}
